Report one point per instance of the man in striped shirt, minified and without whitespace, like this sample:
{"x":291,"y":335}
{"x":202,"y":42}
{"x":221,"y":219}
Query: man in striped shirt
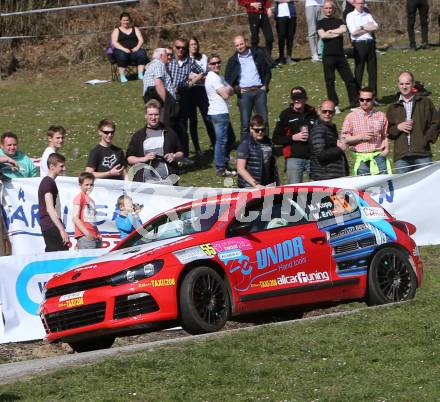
{"x":365,"y":131}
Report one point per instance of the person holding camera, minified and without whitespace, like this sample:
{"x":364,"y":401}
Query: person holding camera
{"x":154,"y":150}
{"x":128,"y":216}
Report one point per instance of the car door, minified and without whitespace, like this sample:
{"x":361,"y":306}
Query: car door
{"x":282,"y":257}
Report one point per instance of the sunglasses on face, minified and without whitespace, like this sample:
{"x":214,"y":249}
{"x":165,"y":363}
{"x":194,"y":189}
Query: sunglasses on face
{"x":215,"y":63}
{"x":258,"y":129}
{"x":365,"y":99}
{"x":327,"y":111}
{"x":108,"y":132}
{"x":180,"y":47}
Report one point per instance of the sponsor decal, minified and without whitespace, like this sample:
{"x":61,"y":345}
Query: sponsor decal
{"x":239,"y":243}
{"x":241,"y":263}
{"x":158,"y":283}
{"x":71,"y":300}
{"x":346,"y":231}
{"x":373,"y":213}
{"x":304,"y":277}
{"x":191,"y":254}
{"x":226,"y":256}
{"x":293,"y":263}
{"x":280,"y":252}
{"x":265,"y":284}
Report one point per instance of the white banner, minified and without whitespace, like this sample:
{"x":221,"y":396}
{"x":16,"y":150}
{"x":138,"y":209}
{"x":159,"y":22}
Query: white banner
{"x":410,"y":197}
{"x":20,"y":207}
{"x":22,"y":278}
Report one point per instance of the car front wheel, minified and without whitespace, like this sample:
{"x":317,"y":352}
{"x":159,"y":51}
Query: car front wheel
{"x":390,"y":277}
{"x":204,"y":301}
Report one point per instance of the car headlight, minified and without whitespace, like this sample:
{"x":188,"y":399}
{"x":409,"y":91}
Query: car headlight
{"x":137,"y":273}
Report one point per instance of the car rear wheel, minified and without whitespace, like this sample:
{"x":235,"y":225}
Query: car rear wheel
{"x":204,"y":301}
{"x":390,"y":277}
{"x":102,"y":342}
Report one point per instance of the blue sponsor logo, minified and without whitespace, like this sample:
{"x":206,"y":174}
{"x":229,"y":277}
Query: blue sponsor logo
{"x":41,"y":268}
{"x":280,"y":252}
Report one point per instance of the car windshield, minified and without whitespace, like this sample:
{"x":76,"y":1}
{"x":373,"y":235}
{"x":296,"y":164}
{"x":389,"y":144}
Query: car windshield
{"x":175,"y":224}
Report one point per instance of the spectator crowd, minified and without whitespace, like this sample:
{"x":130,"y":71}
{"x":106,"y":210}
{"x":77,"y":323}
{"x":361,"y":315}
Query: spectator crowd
{"x":181,"y":80}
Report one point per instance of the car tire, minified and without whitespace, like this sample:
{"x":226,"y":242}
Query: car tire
{"x":102,"y":342}
{"x":391,"y":277}
{"x":204,"y":301}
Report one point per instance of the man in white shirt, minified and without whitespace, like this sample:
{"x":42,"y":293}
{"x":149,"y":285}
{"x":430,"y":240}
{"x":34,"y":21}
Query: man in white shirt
{"x":313,"y":14}
{"x":362,"y":26}
{"x":218,"y":92}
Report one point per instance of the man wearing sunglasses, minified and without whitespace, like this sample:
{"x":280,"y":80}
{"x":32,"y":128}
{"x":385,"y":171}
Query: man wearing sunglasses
{"x":327,"y":159}
{"x":256,"y":164}
{"x":365,"y":131}
{"x":218,"y":92}
{"x":106,"y":161}
{"x":185,"y":72}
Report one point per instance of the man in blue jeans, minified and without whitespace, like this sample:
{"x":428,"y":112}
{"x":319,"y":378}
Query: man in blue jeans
{"x":248,"y":72}
{"x":218,"y":92}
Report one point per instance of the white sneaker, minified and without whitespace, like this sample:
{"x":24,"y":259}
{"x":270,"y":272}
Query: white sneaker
{"x":337,"y":110}
{"x":315,"y":58}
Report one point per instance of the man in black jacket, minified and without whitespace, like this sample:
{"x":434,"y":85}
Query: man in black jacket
{"x":292,"y":132}
{"x":248,"y":72}
{"x":328,"y":160}
{"x":154,"y":150}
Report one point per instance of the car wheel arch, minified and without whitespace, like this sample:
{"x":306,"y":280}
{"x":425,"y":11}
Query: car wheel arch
{"x":210,"y":264}
{"x":396,"y":246}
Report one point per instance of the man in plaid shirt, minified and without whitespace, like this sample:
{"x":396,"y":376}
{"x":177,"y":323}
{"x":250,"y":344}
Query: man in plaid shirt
{"x":185,"y":72}
{"x":365,"y":131}
{"x":259,"y":13}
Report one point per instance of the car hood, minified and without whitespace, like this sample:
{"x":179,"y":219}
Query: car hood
{"x":118,"y":260}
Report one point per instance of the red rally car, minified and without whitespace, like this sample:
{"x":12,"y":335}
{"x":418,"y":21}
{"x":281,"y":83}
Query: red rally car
{"x":203,"y":262}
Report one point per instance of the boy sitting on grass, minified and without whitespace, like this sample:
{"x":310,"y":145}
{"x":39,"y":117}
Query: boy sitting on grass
{"x":84,"y":214}
{"x":128,"y":217}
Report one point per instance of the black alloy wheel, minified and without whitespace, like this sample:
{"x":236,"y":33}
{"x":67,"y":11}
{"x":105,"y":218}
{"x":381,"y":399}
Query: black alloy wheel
{"x":204,"y":301}
{"x":391,"y":277}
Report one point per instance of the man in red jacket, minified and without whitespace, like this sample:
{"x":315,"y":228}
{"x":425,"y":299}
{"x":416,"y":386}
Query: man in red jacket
{"x":259,"y":13}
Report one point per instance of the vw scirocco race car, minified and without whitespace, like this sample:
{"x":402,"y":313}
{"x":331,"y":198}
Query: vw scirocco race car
{"x":203,"y":262}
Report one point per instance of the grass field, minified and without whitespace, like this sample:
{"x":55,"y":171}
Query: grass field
{"x":387,"y":354}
